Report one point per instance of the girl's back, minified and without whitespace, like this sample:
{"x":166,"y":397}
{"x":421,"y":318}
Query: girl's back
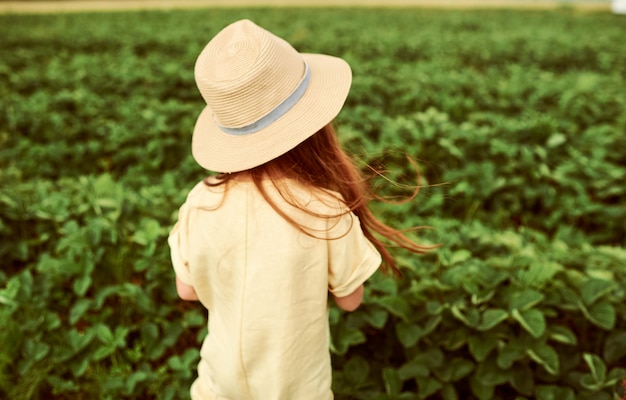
{"x":265,"y":284}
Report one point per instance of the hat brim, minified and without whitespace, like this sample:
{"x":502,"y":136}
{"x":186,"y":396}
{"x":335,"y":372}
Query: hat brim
{"x":325,"y":96}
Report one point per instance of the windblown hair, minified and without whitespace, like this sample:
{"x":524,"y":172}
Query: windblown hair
{"x":321,"y":162}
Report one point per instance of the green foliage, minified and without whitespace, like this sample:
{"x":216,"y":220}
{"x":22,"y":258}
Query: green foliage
{"x":517,"y":120}
{"x":496,"y":314}
{"x":87,"y":305}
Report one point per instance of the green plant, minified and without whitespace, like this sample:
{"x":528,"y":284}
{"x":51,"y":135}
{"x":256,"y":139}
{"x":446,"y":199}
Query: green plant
{"x":497,"y":314}
{"x":516,"y":119}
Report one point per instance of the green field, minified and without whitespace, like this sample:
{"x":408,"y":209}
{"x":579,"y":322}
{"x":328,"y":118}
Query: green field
{"x":517,"y":120}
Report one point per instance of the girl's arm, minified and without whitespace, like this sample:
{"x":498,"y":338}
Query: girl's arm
{"x":185,"y":291}
{"x":351,"y":301}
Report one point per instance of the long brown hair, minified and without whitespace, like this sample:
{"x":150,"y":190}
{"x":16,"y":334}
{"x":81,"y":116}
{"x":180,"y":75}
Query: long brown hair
{"x":321,"y":162}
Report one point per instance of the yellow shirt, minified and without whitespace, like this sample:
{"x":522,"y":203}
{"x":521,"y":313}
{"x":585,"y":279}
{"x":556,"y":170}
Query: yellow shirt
{"x":265,"y":285}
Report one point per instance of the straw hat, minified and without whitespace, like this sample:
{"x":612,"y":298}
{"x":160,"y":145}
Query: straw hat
{"x":263,"y":97}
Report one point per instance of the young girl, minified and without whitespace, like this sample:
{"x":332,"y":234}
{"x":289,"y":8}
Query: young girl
{"x":285,"y":222}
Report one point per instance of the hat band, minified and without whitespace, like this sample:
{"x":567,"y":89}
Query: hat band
{"x":276,"y":113}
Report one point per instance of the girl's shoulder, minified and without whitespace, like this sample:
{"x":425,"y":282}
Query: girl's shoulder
{"x":206,"y":193}
{"x":288,"y":194}
{"x":314,"y":199}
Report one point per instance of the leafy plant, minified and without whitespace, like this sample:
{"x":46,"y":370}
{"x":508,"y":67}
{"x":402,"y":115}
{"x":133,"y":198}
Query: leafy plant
{"x":516,"y":118}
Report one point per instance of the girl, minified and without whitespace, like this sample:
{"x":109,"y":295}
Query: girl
{"x":284,"y":223}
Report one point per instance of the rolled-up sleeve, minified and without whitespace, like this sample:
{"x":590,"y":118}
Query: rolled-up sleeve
{"x":178,"y":241}
{"x":352,"y":257}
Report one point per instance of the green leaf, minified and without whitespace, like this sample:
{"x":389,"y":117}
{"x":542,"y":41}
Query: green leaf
{"x":79,"y":340}
{"x":103,"y":352}
{"x":596,"y":366}
{"x":603,"y":315}
{"x":393,"y":384}
{"x":455,"y":370}
{"x":569,"y":299}
{"x":523,"y":379}
{"x":513,"y":351}
{"x":104,"y":333}
{"x":52,"y":321}
{"x":356,"y":370}
{"x":171,"y":333}
{"x":469,"y":318}
{"x":432,"y":324}
{"x":413,"y":369}
{"x":148,"y":232}
{"x":191,"y":357}
{"x":345,"y":338}
{"x":576,"y":278}
{"x":614,"y":346}
{"x":481,"y":345}
{"x":427,"y":387}
{"x":594,"y":289}
{"x":531,"y":320}
{"x":615,"y":375}
{"x":383,"y":284}
{"x":480,"y":389}
{"x":556,"y":139}
{"x":525,"y":299}
{"x":103,"y":294}
{"x":9,"y":293}
{"x":434,"y":307}
{"x":183,"y":365}
{"x":134,"y":379}
{"x":334,"y":316}
{"x":408,"y":334}
{"x":454,"y":339}
{"x":553,"y":392}
{"x":79,"y":309}
{"x":483,"y":296}
{"x":545,"y":355}
{"x":398,"y":306}
{"x":36,"y":350}
{"x":60,"y":385}
{"x":460,"y":256}
{"x":490,"y":374}
{"x":176,"y":363}
{"x":79,"y":365}
{"x":82,"y":284}
{"x":433,"y":357}
{"x":538,"y":274}
{"x":448,"y":392}
{"x":491,"y":318}
{"x":138,"y":295}
{"x":600,"y":314}
{"x":563,"y":335}
{"x":120,"y":336}
{"x":589,"y":383}
{"x":149,"y":333}
{"x":194,"y":318}
{"x":376,"y":317}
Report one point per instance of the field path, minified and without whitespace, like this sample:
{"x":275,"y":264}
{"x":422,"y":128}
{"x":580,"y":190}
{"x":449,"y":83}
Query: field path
{"x":130,"y":5}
